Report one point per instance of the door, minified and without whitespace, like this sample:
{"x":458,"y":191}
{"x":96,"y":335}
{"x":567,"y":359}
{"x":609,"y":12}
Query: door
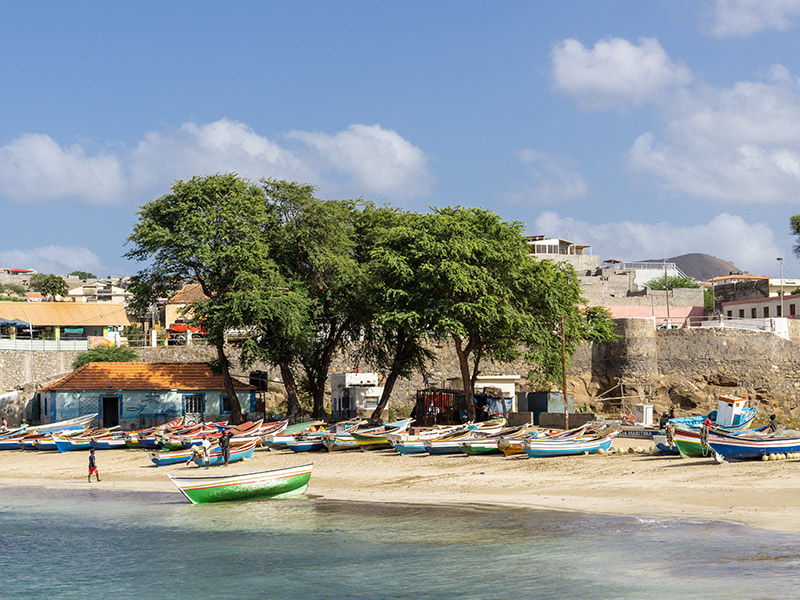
{"x":111,"y":411}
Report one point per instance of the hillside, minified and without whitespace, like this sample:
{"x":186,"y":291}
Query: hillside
{"x":701,"y":266}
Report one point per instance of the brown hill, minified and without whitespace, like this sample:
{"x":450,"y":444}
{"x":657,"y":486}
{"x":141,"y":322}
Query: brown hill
{"x":701,"y":266}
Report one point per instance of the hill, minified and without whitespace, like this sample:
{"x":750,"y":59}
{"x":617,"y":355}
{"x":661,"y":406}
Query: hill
{"x":701,"y":266}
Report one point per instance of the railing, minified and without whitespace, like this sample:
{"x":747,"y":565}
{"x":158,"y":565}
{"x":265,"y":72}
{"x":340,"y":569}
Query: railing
{"x":48,"y":345}
{"x":776,"y":325}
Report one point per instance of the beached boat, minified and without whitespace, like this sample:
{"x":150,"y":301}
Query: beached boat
{"x":378,"y":440}
{"x":215,"y":455}
{"x":278,"y":440}
{"x":745,"y":447}
{"x":732,"y":414}
{"x":274,"y":483}
{"x":162,"y":459}
{"x":568,"y":447}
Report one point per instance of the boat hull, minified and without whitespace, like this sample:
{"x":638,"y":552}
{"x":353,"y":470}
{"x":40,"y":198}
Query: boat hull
{"x":543,"y":448}
{"x":264,"y":484}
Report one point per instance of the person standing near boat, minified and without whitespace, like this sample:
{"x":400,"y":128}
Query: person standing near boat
{"x":206,"y":446}
{"x":774,"y":424}
{"x":225,"y":445}
{"x":93,"y":466}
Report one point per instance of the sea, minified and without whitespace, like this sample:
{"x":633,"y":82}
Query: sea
{"x":97,"y":543}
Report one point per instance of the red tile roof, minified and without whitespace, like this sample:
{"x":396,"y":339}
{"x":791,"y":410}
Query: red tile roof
{"x":144,"y":376}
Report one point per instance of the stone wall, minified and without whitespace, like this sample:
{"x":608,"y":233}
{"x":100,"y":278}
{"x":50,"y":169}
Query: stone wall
{"x":686,"y":368}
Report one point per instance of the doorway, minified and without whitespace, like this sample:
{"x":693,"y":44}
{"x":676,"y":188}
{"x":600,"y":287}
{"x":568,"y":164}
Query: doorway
{"x":111,"y":410}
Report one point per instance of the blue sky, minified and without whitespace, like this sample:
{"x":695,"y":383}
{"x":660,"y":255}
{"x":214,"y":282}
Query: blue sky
{"x":645,"y":129}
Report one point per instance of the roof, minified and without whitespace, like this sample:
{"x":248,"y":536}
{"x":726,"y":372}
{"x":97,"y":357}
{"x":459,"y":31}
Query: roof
{"x":737,"y":276}
{"x":144,"y":376}
{"x":60,"y":314}
{"x":188,"y":294}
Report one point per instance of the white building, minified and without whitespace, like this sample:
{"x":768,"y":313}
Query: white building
{"x":354,"y":394}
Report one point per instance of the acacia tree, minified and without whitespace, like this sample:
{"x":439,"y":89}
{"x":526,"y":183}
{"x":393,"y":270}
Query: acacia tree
{"x":400,"y":325}
{"x":314,"y":248}
{"x":493,"y":300}
{"x":211,"y":230}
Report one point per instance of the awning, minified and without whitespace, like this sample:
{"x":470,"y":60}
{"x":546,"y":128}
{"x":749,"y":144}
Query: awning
{"x":14,"y":323}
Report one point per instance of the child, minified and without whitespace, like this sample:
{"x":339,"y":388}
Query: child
{"x":93,"y":466}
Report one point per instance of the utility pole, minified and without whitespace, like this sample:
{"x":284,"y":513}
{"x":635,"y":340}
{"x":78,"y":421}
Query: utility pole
{"x":780,"y":262}
{"x":666,"y":289}
{"x":564,"y":375}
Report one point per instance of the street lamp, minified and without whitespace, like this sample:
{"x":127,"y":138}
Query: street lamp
{"x":780,"y":262}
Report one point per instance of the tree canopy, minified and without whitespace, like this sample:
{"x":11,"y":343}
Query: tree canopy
{"x":105,"y":354}
{"x":49,"y":285}
{"x":83,"y":274}
{"x":671,"y":282}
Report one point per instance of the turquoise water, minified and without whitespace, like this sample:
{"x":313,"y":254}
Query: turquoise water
{"x":96,"y":543}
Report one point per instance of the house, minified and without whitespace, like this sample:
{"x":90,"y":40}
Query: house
{"x":98,"y":290}
{"x":354,"y":394}
{"x":137,"y":395}
{"x":762,"y":308}
{"x":60,"y":325}
{"x":177,"y":306}
{"x":558,"y":250}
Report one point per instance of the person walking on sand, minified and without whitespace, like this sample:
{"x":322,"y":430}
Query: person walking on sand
{"x":206,"y":445}
{"x":93,"y":466}
{"x":225,"y":445}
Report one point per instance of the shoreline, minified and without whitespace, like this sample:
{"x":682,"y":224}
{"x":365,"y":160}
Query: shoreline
{"x":764,"y":495}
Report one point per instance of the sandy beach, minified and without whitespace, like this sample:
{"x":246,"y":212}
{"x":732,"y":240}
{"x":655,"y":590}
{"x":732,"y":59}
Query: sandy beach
{"x":760,"y":494}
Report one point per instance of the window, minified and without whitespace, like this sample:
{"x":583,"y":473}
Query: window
{"x":753,"y":313}
{"x":224,"y":404}
{"x":730,"y":314}
{"x":766,"y":311}
{"x":778,"y":310}
{"x":194,"y":403}
{"x":741,"y":313}
{"x":791,"y":310}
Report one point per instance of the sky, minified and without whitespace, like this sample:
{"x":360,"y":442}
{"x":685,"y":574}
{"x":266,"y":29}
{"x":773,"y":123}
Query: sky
{"x":644,"y":129}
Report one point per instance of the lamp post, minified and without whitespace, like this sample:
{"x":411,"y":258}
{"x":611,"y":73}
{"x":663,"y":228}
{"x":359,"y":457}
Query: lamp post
{"x":780,"y":262}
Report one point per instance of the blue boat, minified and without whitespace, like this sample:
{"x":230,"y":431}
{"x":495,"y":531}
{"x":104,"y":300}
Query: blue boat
{"x":215,"y":455}
{"x":732,"y":414}
{"x":749,"y":447}
{"x":161,"y":459}
{"x":569,"y":447}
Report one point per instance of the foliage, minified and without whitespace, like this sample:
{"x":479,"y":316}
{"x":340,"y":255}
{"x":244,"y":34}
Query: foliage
{"x":672,"y":282}
{"x":14,"y":288}
{"x":794,"y":225}
{"x":211,"y":230}
{"x":794,"y":291}
{"x":49,"y":285}
{"x":83,"y":275}
{"x":599,"y":326}
{"x":105,"y":354}
{"x":709,"y":298}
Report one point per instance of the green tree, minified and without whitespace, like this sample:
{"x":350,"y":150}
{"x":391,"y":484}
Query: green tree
{"x":672,"y":282}
{"x":212,"y":230}
{"x":83,"y":275}
{"x":400,"y":324}
{"x":105,"y":354}
{"x":314,"y":247}
{"x":49,"y":285}
{"x":709,"y":298}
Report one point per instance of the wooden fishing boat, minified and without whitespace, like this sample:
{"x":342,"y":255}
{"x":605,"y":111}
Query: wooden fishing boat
{"x":163,"y":459}
{"x":568,"y":447}
{"x":744,"y":447}
{"x":274,"y":483}
{"x":116,"y":442}
{"x":378,"y":440}
{"x":689,"y":443}
{"x":732,"y":414}
{"x":278,"y":440}
{"x":215,"y":455}
{"x":511,"y":446}
{"x":309,"y":443}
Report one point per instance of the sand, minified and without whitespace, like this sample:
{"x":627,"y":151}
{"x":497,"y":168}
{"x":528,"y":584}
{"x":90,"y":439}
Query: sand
{"x":765,"y":495}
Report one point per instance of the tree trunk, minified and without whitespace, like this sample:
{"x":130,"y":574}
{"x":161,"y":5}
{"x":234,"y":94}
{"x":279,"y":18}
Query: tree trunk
{"x":388,"y":386}
{"x":237,"y":417}
{"x":293,"y":408}
{"x":463,"y":353}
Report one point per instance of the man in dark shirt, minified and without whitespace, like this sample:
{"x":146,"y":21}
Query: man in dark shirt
{"x":773,"y":424}
{"x":225,"y":446}
{"x":93,"y":466}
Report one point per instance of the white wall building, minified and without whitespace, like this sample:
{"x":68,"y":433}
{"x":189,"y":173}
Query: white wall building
{"x":354,"y":394}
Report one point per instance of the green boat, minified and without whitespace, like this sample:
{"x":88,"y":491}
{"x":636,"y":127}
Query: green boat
{"x":689,"y":444}
{"x":274,"y":483}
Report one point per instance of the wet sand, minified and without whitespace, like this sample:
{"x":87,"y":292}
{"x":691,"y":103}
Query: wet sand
{"x":760,"y":494}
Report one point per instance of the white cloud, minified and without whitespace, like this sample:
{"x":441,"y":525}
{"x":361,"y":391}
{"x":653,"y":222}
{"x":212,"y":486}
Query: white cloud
{"x":34,"y":168}
{"x":750,"y":246}
{"x":372,"y":159}
{"x":555,"y":180}
{"x":737,"y":145}
{"x":362,"y":160}
{"x":615,"y":73}
{"x":742,"y":18}
{"x":54,"y":259}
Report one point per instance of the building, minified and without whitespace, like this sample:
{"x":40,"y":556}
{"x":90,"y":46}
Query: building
{"x":354,"y":394}
{"x":762,"y":308}
{"x":98,"y":290}
{"x":138,"y":395}
{"x":60,"y":325}
{"x":177,"y":307}
{"x":558,"y":250}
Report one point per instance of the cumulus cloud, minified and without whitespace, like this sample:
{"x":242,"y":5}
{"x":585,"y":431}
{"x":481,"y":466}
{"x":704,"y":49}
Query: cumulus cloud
{"x":53,"y":259}
{"x":738,"y":144}
{"x":554,"y":180}
{"x":370,"y":158}
{"x":742,"y":18}
{"x":615,"y":73}
{"x":750,"y":246}
{"x":362,"y":160}
{"x":35,"y":168}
